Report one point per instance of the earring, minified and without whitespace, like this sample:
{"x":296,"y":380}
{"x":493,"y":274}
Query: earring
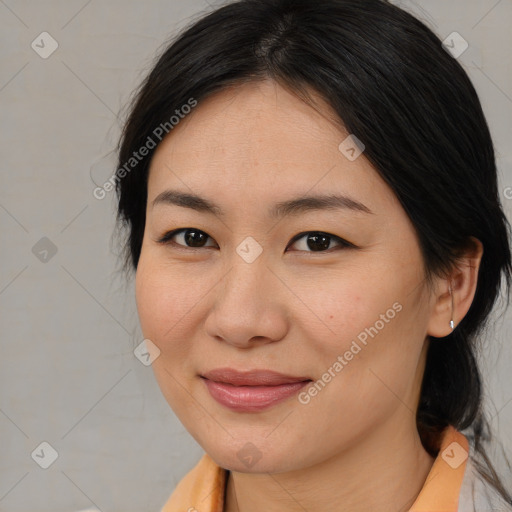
{"x":451,"y":321}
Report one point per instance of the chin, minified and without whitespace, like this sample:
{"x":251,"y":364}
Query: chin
{"x":247,"y":457}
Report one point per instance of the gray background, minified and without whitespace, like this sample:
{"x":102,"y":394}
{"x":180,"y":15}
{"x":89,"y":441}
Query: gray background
{"x":68,"y":373}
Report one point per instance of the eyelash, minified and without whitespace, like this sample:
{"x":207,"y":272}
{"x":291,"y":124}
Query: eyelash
{"x":166,"y":240}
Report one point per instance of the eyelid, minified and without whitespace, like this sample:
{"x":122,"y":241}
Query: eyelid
{"x":165,"y":239}
{"x":342,"y":241}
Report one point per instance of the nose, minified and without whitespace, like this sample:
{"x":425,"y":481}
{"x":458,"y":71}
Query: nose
{"x":248,"y":308}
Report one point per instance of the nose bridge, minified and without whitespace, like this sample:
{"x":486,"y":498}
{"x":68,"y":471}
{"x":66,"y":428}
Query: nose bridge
{"x":245,"y":306}
{"x":246,"y":280}
{"x":248,"y":266}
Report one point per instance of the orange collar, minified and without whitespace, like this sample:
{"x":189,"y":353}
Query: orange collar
{"x":202,"y":489}
{"x":441,"y":489}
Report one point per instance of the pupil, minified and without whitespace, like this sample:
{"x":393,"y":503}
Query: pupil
{"x":317,"y":242}
{"x":194,"y":241}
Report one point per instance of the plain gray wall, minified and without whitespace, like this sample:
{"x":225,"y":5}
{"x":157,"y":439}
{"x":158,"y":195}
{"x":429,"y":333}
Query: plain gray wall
{"x":68,"y":375}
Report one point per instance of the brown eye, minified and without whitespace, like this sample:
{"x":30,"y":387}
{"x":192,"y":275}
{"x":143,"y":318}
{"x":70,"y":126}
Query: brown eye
{"x":318,"y":241}
{"x":190,"y":237}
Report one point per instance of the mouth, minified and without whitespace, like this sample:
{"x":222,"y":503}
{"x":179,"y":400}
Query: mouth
{"x":251,"y":391}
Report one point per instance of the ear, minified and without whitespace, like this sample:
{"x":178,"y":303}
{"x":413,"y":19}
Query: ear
{"x":463,"y":280}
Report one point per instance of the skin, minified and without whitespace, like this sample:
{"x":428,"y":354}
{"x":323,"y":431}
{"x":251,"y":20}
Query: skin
{"x":293,"y":309}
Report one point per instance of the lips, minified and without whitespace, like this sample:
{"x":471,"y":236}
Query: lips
{"x":251,"y":391}
{"x":251,"y":378}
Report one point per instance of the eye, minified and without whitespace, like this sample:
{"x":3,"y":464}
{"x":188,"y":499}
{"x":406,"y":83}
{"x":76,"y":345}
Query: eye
{"x":194,"y":237}
{"x":319,"y":241}
{"x":315,"y":241}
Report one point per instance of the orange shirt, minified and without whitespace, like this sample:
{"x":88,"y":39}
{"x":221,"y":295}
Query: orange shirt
{"x":451,"y":485}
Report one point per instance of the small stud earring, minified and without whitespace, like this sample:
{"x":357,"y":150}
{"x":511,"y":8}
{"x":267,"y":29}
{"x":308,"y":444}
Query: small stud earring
{"x":452,"y":325}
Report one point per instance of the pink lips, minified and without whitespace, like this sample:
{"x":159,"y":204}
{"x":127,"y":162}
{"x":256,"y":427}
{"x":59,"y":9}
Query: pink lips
{"x":251,"y":391}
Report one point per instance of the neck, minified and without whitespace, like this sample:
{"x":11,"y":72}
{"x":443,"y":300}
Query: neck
{"x":384,"y":472}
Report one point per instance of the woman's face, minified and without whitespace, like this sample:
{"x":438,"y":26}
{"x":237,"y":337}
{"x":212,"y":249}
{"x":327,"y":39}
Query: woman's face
{"x":240,"y":290}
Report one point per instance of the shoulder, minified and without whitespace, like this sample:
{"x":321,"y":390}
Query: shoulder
{"x":478,"y":495}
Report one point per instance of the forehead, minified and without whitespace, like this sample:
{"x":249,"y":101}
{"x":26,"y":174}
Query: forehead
{"x":264,"y":141}
{"x":252,"y":116}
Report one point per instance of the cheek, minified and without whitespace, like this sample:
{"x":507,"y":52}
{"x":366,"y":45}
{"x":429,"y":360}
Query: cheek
{"x":369,"y":321}
{"x":345,"y":308}
{"x":165,"y":302}
{"x":165,"y":310}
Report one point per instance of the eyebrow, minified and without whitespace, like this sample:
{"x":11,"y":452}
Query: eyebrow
{"x":294,"y":206}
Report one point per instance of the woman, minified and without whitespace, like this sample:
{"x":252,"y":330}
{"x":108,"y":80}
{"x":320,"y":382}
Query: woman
{"x":310,"y":196}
